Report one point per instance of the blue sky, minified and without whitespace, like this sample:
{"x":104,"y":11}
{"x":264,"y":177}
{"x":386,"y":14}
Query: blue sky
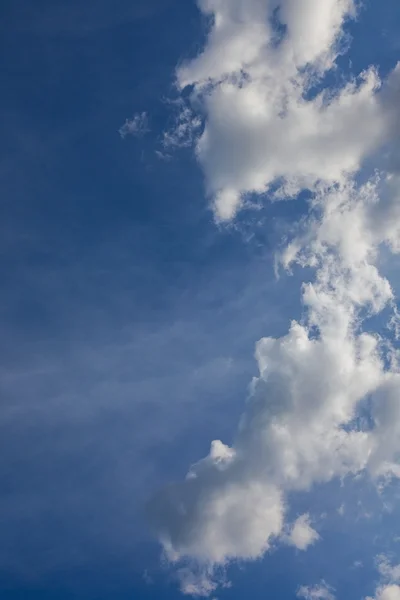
{"x":132,"y":298}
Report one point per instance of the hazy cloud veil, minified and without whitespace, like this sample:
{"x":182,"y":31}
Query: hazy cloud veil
{"x":272,"y":126}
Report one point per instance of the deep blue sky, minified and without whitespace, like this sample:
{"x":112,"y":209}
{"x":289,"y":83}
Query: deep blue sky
{"x":124,"y":311}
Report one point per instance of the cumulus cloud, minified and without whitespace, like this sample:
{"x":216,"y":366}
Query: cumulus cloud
{"x":301,"y":424}
{"x":302,"y":534}
{"x":268,"y":121}
{"x":388,"y":592}
{"x":259,"y":134}
{"x":388,"y":588}
{"x":137,"y":126}
{"x":389,"y":573}
{"x":221,"y":511}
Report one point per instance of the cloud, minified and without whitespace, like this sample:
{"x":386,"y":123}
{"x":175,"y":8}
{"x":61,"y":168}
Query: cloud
{"x":388,"y":589}
{"x":266,"y":121}
{"x":219,"y":512}
{"x":248,"y":145}
{"x":389,"y":573}
{"x":137,"y":126}
{"x":302,"y":534}
{"x":203,"y":582}
{"x":299,"y":426}
{"x":321,"y":591}
{"x":201,"y":585}
{"x":388,"y":592}
{"x":185,"y":129}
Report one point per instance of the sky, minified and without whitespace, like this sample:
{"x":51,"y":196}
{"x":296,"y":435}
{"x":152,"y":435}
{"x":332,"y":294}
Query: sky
{"x":200,"y":370}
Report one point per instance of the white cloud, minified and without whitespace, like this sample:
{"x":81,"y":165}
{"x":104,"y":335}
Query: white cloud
{"x":302,"y":534}
{"x":300,"y":425}
{"x":388,"y":592}
{"x":203,"y":582}
{"x":259,"y":133}
{"x":321,"y":591}
{"x":137,"y":126}
{"x":219,"y":512}
{"x":388,"y":589}
{"x":185,"y":129}
{"x":242,"y":35}
{"x":262,"y":125}
{"x":196,"y":584}
{"x":389,"y":573}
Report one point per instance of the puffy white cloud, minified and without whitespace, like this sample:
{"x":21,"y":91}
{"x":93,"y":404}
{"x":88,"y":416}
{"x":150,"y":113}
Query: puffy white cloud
{"x":389,"y":573}
{"x":388,"y":589}
{"x":239,"y":32}
{"x":263,"y":125}
{"x":388,"y":592}
{"x":220,"y":512}
{"x":263,"y":132}
{"x":323,"y":19}
{"x":300,"y":425}
{"x":343,"y":240}
{"x":243,"y":37}
{"x":302,"y":534}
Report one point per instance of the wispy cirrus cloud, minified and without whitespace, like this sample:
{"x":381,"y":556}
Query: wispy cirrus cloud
{"x":137,"y":126}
